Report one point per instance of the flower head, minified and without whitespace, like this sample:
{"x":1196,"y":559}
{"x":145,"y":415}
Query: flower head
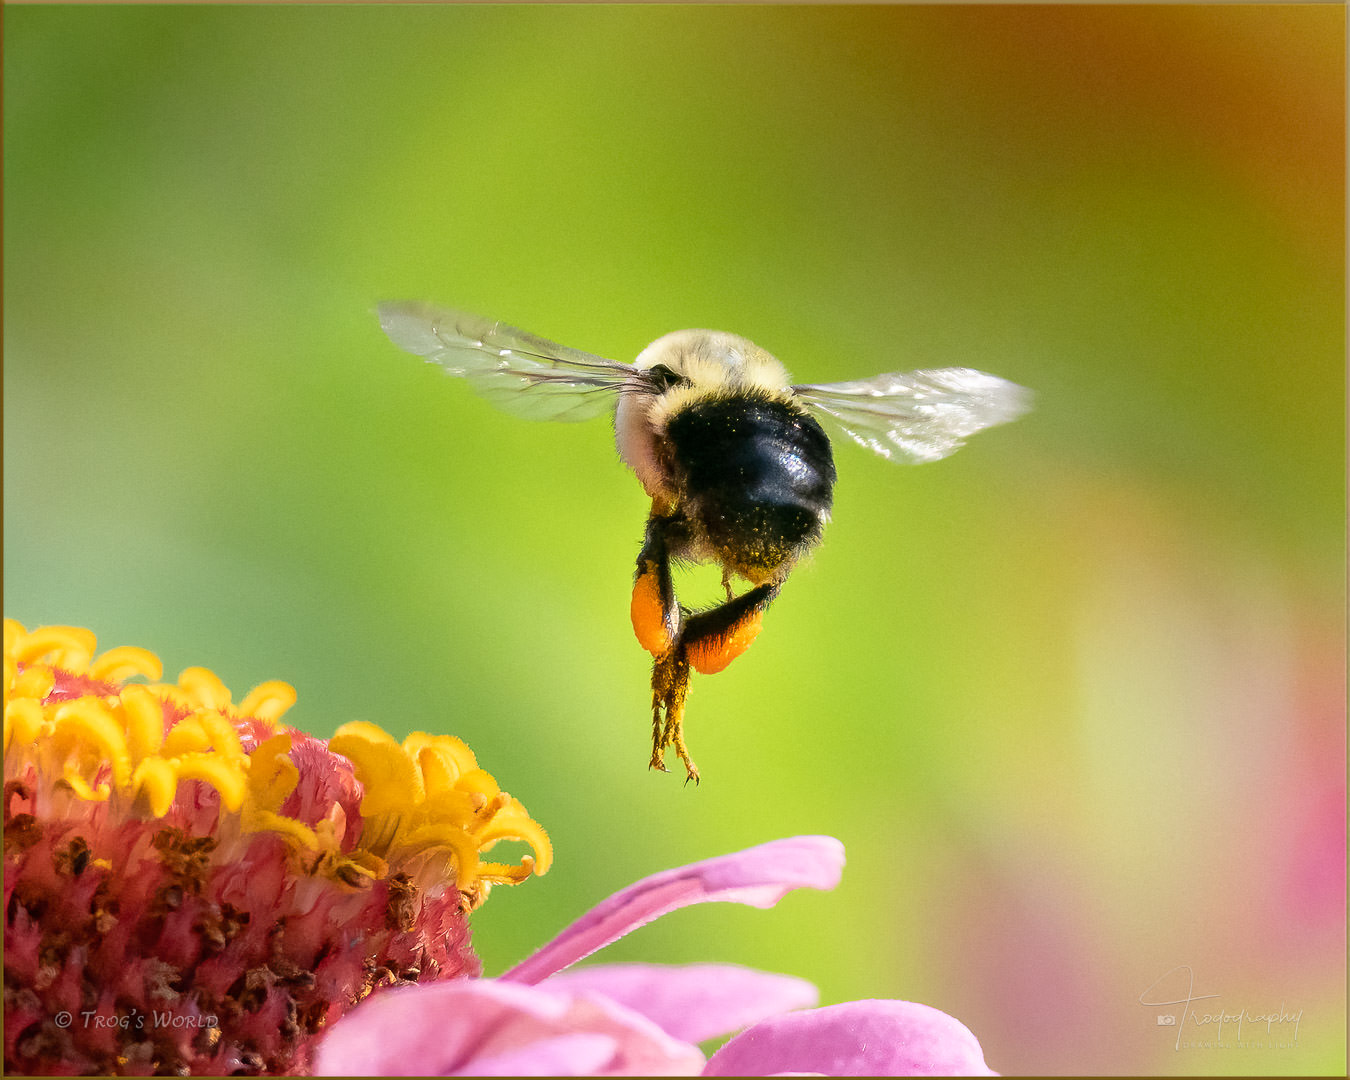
{"x":192,"y":887}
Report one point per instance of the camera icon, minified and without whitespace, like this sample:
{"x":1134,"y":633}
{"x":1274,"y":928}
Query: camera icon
{"x":1167,"y":1020}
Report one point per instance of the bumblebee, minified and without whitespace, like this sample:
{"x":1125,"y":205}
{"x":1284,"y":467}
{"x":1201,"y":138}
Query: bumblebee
{"x":738,"y":467}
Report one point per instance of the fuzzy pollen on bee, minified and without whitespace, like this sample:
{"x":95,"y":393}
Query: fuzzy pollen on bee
{"x":732,"y":453}
{"x":713,"y":654}
{"x":656,"y":618}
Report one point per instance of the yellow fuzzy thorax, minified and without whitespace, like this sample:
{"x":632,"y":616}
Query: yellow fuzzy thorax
{"x":716,"y":365}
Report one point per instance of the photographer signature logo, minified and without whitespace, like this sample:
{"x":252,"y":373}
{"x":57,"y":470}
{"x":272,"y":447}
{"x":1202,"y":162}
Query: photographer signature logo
{"x":1179,"y":1010}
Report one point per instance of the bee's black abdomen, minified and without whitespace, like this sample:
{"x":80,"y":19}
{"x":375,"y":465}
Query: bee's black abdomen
{"x":757,"y":477}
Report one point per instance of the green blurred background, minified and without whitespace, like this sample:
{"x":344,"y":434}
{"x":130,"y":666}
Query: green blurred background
{"x":1073,"y":699}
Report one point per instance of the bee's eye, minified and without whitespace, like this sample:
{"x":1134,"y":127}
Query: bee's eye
{"x":664,"y":378}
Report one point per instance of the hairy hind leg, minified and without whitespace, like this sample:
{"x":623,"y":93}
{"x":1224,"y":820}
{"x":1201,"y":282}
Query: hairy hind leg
{"x":706,"y":642}
{"x":670,"y":687}
{"x":713,"y":639}
{"x":657,"y":622}
{"x":654,"y":610}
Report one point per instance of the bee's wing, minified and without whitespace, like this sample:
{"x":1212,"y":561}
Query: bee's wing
{"x":916,"y":416}
{"x":518,"y":372}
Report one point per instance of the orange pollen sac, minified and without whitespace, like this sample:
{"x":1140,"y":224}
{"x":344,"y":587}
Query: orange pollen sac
{"x":711,"y":656}
{"x":653,"y":632}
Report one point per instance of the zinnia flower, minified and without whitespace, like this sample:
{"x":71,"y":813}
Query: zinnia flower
{"x":645,"y":1019}
{"x":191,"y":887}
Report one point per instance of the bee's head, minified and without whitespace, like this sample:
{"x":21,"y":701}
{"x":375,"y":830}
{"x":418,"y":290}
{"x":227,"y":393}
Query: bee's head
{"x":708,"y":361}
{"x":682,"y":368}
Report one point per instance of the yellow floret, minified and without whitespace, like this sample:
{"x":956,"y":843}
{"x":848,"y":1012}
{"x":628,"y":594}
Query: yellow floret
{"x":426,"y":805}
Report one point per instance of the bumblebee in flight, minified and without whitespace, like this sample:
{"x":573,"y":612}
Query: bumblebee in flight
{"x":730,"y":450}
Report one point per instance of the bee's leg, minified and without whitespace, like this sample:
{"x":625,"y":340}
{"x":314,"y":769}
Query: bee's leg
{"x":708,"y":642}
{"x":658,"y":761}
{"x":654,"y":609}
{"x":712,"y":639}
{"x":674,"y":731}
{"x":670,"y":685}
{"x":726,"y":584}
{"x":657,"y":622}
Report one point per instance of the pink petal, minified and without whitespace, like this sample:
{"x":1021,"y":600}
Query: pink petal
{"x":561,"y":1055}
{"x":692,"y":1002}
{"x":858,"y":1038}
{"x":759,"y":876}
{"x":475,"y":1027}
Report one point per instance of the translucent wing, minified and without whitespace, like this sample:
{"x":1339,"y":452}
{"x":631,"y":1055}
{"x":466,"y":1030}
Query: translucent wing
{"x":519,"y":372}
{"x":918,"y":416}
